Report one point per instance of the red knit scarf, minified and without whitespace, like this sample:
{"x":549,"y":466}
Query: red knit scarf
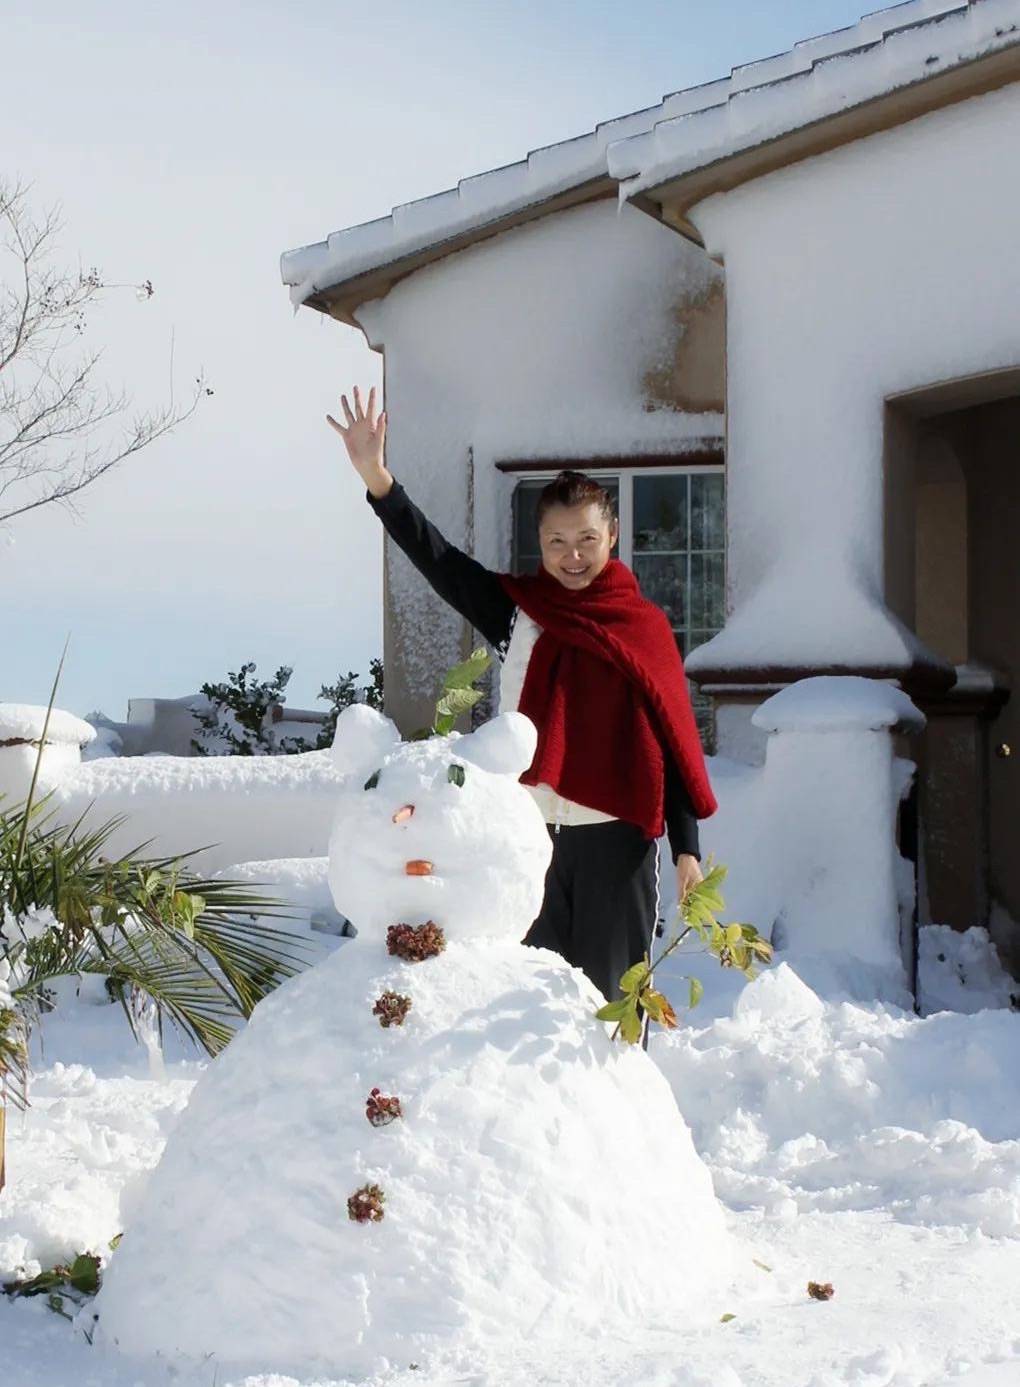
{"x":605,"y":687}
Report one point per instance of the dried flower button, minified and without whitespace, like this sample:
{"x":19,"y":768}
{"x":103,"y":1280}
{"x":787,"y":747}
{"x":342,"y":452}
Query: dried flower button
{"x":381,"y":1109}
{"x":414,"y":943}
{"x":366,"y":1204}
{"x":391,"y":1009}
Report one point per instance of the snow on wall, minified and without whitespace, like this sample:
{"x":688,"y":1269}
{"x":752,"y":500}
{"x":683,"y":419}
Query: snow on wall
{"x":532,"y":345}
{"x":881,"y":267}
{"x":237,"y":808}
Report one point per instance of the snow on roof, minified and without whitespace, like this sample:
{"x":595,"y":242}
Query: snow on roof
{"x":818,"y":77}
{"x":25,"y":721}
{"x":482,"y":201}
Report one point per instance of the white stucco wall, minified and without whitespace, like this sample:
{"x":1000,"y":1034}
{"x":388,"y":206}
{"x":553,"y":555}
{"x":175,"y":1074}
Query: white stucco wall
{"x":881,"y":267}
{"x":534,"y":344}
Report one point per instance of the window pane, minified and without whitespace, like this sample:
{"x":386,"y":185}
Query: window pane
{"x":526,"y":556}
{"x":661,"y":579}
{"x":706,"y":600}
{"x":525,"y":540}
{"x":660,"y":513}
{"x":708,"y":520}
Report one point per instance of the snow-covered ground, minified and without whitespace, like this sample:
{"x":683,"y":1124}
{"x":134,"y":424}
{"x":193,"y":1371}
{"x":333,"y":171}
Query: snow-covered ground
{"x":851,"y":1144}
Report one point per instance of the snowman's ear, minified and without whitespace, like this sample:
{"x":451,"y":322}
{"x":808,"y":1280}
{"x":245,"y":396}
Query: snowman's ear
{"x":362,"y":739}
{"x":506,"y":745}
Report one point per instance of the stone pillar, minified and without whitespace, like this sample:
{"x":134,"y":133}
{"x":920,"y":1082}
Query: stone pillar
{"x":832,"y":787}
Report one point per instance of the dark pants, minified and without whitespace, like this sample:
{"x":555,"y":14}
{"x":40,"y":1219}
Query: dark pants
{"x":601,"y":900}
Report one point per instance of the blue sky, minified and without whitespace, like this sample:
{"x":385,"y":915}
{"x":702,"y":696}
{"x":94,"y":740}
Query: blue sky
{"x":190,"y":144}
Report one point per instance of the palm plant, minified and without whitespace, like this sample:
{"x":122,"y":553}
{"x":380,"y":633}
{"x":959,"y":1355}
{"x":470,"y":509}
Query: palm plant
{"x":196,"y":948}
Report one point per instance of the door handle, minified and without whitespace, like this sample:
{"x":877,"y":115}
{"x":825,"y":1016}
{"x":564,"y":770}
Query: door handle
{"x":1004,"y":751}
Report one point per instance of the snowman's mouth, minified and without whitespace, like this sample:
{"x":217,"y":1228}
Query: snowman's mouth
{"x":419,"y":867}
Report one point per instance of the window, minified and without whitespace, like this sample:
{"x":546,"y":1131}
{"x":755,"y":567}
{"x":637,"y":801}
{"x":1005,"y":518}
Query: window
{"x":672,"y":534}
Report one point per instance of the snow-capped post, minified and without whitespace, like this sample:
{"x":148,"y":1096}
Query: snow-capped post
{"x":21,"y":728}
{"x":833,"y":785}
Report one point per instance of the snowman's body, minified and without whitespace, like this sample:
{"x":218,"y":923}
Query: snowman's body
{"x":540,"y":1176}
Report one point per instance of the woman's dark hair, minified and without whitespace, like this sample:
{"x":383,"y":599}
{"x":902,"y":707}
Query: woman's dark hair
{"x":574,"y":489}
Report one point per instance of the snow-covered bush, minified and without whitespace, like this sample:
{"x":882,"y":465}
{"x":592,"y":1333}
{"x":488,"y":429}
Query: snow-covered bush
{"x":238,"y":718}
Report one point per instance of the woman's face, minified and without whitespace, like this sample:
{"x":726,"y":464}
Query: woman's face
{"x":576,"y":543}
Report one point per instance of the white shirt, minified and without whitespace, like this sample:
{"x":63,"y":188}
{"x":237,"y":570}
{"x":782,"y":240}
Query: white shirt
{"x":555,"y":808}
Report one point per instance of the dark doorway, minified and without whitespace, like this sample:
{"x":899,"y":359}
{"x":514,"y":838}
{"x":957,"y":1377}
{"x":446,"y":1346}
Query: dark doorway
{"x":953,"y":548}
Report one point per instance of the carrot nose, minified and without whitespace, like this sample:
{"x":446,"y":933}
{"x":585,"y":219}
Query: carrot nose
{"x":418,"y":867}
{"x":403,"y":814}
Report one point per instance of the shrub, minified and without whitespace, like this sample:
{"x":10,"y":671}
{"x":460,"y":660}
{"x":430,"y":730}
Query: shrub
{"x":237,"y":721}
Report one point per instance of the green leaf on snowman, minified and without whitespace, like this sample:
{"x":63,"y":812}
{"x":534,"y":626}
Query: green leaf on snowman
{"x":465,"y":674}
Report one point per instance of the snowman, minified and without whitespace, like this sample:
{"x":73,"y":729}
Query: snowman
{"x":427,"y":1143}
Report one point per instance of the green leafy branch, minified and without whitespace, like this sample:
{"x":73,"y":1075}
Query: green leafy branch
{"x":76,"y":1281}
{"x":735,"y":946}
{"x":458,"y":694}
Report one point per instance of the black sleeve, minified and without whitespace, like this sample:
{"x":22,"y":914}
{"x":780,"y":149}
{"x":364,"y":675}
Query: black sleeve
{"x":462,"y":582}
{"x":681,"y":821}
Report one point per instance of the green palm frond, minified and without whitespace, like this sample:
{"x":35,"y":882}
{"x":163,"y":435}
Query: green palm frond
{"x":13,"y":1057}
{"x":201,"y":948}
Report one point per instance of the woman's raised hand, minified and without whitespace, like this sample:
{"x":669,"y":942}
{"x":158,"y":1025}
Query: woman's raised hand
{"x":365,"y":436}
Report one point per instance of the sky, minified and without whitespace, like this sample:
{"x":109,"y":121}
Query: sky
{"x":190,"y":144}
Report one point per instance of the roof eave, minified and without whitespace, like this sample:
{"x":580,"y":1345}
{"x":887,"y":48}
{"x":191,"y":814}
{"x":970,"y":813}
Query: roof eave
{"x":671,"y":200}
{"x":342,"y":299}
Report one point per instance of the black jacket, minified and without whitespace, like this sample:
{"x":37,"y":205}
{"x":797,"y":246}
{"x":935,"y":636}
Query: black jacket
{"x":477,"y":594}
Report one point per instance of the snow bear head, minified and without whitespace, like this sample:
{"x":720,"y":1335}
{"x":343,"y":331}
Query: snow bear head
{"x":439,"y":829}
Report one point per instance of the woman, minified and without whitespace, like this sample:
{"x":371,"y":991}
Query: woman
{"x":596,"y":667}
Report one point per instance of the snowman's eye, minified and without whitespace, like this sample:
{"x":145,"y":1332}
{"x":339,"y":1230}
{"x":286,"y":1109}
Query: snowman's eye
{"x":455,"y":775}
{"x":372,"y":781}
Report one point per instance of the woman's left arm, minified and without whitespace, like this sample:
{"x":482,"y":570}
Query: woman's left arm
{"x":681,"y":829}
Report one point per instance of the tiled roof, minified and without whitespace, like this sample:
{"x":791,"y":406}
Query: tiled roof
{"x":686,"y":130}
{"x":819,"y":78}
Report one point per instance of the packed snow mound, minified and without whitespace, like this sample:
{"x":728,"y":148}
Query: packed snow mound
{"x":780,"y":996}
{"x":528,"y":1151}
{"x":506,"y":1179}
{"x":802,"y":1105}
{"x":959,"y":970}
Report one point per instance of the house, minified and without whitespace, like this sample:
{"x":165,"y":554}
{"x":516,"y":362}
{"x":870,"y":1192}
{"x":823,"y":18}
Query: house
{"x":780,"y":314}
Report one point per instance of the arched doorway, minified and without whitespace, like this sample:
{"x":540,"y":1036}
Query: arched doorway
{"x":953,"y":552}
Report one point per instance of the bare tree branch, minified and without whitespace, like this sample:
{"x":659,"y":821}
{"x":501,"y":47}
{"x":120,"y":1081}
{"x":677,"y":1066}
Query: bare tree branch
{"x":57,"y":422}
